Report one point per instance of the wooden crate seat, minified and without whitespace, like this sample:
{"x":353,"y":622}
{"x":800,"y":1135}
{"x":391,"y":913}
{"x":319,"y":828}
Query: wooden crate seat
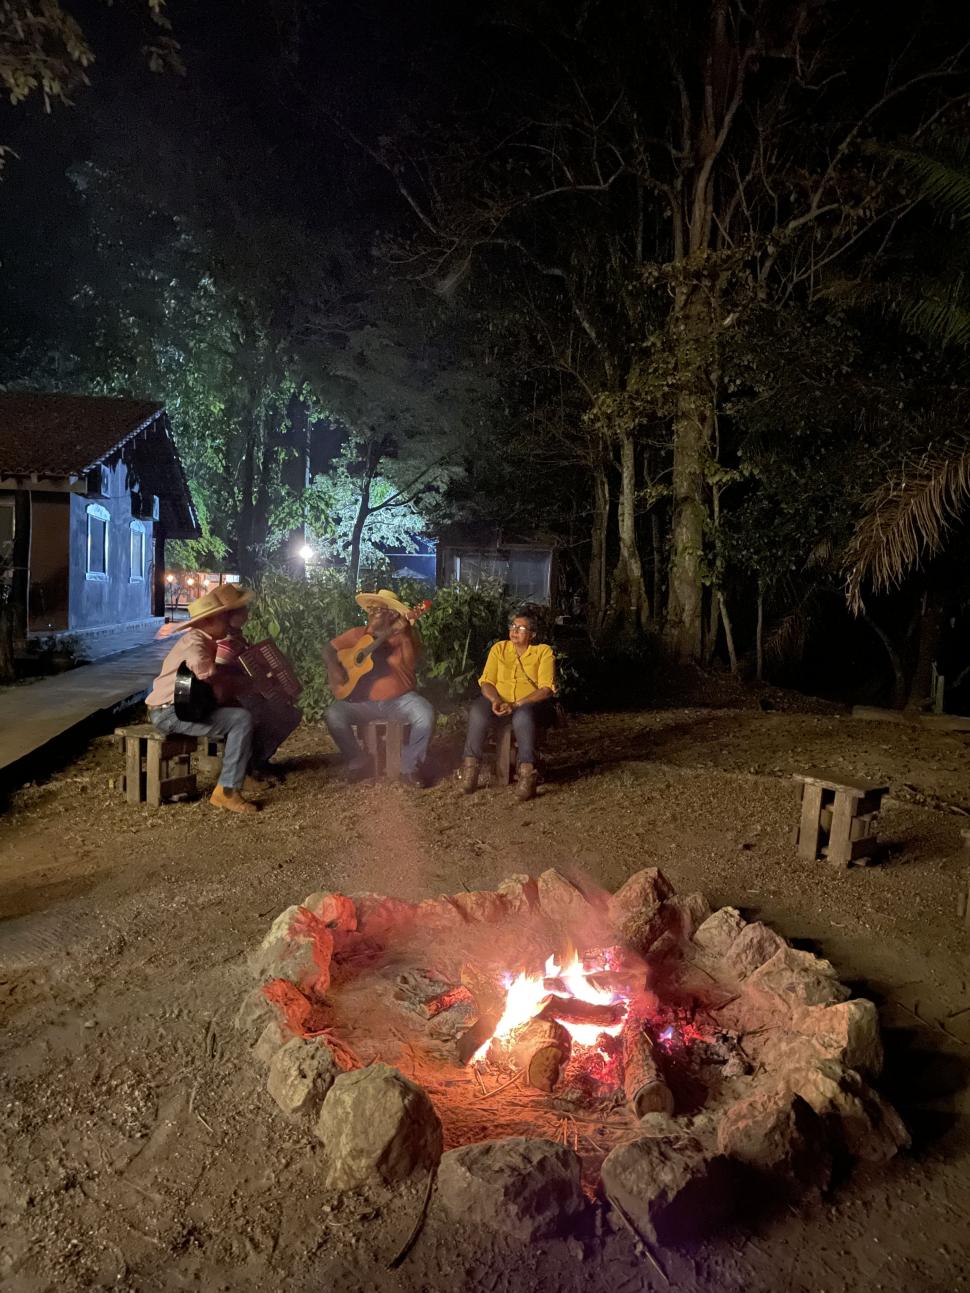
{"x":383,"y":741}
{"x":838,"y":817}
{"x":158,"y":766}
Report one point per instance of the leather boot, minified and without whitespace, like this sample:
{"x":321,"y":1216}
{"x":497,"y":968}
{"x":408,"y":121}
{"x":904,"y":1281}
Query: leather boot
{"x":469,"y":775}
{"x":526,"y":785}
{"x":224,"y":797}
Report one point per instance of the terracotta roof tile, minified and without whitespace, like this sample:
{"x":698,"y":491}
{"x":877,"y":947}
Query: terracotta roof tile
{"x":61,"y":435}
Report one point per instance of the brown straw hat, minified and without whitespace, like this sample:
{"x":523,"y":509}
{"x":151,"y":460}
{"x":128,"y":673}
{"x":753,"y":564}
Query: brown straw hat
{"x":383,"y":599}
{"x":222,"y":600}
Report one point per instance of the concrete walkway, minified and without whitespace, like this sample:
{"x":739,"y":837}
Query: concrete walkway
{"x":36,"y":713}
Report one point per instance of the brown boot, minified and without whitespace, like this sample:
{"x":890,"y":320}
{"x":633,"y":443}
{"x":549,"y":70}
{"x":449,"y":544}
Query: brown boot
{"x":469,"y":775}
{"x":223,"y":797}
{"x":526,"y":785}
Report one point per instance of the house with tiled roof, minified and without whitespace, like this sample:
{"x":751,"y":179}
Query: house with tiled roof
{"x":90,"y":489}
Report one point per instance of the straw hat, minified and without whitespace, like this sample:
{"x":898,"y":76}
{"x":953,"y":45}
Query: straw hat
{"x":223,"y":600}
{"x":383,"y":599}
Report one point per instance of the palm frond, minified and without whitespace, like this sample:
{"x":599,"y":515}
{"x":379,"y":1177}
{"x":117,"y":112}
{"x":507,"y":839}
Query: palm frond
{"x":785,"y":640}
{"x":943,"y":179}
{"x":904,"y":521}
{"x":942,"y":319}
{"x":820,"y":555}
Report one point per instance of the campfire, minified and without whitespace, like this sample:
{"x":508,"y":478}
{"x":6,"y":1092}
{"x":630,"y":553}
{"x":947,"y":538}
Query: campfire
{"x":656,"y":1040}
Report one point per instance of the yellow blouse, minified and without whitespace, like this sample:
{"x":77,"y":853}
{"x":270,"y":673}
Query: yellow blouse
{"x":513,"y":676}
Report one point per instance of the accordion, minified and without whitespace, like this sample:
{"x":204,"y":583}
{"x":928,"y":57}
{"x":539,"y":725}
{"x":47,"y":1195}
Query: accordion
{"x":271,"y":673}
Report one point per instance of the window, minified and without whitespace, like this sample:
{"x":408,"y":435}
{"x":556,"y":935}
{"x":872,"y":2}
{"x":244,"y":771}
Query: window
{"x":137,"y":552}
{"x":97,"y":563}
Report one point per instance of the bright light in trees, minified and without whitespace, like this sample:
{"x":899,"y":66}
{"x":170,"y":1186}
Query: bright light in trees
{"x":306,"y":552}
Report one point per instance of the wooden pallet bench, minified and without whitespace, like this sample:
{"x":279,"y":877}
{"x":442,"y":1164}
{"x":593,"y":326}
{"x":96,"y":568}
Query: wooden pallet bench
{"x":838,"y":818}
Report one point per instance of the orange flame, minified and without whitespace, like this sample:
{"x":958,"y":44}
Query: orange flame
{"x":527,"y":995}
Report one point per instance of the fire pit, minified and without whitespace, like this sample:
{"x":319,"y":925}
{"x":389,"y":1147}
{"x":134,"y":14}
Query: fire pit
{"x":557,"y":1043}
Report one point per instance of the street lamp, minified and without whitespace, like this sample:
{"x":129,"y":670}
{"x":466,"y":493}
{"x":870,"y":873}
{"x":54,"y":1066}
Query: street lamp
{"x":306,"y":552}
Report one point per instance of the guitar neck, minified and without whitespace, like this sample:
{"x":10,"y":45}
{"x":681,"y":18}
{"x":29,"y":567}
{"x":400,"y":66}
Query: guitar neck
{"x":379,"y":640}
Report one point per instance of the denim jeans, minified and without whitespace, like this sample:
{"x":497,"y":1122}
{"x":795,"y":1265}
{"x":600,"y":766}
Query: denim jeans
{"x":409,"y":708}
{"x":231,"y":722}
{"x":528,"y":721}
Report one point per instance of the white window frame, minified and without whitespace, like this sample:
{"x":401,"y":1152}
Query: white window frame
{"x":136,"y":576}
{"x":95,"y":512}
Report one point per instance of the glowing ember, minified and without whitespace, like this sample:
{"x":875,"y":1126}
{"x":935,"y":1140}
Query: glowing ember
{"x":528,"y":994}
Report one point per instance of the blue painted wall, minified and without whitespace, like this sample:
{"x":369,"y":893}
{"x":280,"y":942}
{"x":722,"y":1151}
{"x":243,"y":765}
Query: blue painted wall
{"x":117,"y":599}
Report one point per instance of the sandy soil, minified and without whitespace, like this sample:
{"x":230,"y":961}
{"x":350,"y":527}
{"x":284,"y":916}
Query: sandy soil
{"x":139,"y":1151}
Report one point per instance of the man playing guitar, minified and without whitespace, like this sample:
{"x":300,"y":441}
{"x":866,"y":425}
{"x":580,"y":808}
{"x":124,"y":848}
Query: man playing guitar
{"x":386,"y":692}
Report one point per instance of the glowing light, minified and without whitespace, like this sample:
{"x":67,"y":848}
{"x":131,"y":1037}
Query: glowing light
{"x":306,"y":552}
{"x":190,"y":582}
{"x":528,"y":994}
{"x":170,"y":579}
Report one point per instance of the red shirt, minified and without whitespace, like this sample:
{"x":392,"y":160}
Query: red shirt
{"x":393,"y":673}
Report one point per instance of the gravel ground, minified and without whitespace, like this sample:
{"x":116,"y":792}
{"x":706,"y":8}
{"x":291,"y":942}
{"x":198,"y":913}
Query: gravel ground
{"x":138,"y":1149}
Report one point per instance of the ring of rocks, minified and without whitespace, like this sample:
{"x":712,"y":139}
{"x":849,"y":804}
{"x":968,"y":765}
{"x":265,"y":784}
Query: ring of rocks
{"x":773,"y":1090}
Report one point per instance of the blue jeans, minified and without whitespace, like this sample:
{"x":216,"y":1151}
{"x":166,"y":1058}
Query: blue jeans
{"x":230,"y":722}
{"x":409,"y":708}
{"x":527,"y":722}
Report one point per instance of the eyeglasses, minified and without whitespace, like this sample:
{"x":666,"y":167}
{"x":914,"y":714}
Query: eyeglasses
{"x":518,"y":628}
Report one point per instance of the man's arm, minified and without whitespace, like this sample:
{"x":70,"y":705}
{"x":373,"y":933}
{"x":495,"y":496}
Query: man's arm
{"x":335,"y":670}
{"x":200,"y":658}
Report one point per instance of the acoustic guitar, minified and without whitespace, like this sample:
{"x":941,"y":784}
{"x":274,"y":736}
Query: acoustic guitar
{"x":358,"y":660}
{"x":194,"y":699}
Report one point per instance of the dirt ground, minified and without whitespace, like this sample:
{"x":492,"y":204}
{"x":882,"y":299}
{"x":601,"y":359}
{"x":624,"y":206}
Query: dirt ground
{"x":139,"y":1150}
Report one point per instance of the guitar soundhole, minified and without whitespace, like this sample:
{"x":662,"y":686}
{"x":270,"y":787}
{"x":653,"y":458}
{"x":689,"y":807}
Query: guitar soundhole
{"x":358,"y":659}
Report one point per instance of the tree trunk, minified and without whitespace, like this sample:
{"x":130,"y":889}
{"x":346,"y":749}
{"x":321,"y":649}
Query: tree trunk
{"x":259,"y":523}
{"x":930,"y":630}
{"x":7,"y":670}
{"x":657,"y":546}
{"x":20,"y":574}
{"x":759,"y":636}
{"x":693,"y":426}
{"x":899,"y":678}
{"x":356,"y":534}
{"x":244,"y":530}
{"x":628,"y":596}
{"x":713,"y":624}
{"x":596,"y":578}
{"x":728,"y":633}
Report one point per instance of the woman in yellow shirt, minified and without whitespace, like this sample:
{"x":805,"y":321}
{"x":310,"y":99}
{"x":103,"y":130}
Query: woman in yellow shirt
{"x":518,"y":684}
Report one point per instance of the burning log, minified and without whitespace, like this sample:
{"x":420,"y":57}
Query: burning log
{"x":643,"y":1082}
{"x":540,"y":1050}
{"x":570,"y":1010}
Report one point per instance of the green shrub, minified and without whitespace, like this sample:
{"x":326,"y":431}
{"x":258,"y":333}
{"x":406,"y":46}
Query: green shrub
{"x":457,"y":632}
{"x":302,"y":614}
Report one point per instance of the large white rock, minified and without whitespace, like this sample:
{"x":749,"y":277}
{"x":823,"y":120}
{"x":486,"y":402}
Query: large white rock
{"x":377,"y":1127}
{"x":527,"y":1188}
{"x":719,"y":931}
{"x":300,"y":1075}
{"x":673,"y":1190}
{"x":847,"y":1031}
{"x":755,"y":944}
{"x":776,"y":1132}
{"x":869,"y":1128}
